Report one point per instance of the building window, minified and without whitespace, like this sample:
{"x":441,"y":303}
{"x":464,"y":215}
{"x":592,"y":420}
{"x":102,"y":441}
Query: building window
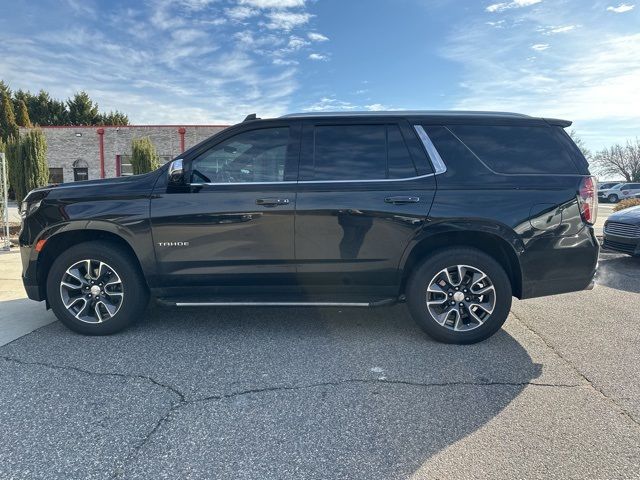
{"x":127,"y":169}
{"x":56,"y":175}
{"x":80,"y":170}
{"x":80,"y":173}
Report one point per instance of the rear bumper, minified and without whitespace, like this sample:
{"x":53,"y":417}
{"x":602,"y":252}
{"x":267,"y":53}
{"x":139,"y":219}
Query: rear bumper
{"x":553,"y":264}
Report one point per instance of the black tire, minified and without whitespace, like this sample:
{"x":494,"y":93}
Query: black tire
{"x":613,"y":198}
{"x":135,"y":293}
{"x":420,"y":279}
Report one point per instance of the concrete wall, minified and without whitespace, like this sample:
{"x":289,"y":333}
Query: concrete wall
{"x":66,"y":145}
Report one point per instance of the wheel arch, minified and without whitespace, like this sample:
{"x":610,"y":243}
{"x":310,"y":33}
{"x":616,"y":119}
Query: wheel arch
{"x":503,"y":248}
{"x":64,"y":238}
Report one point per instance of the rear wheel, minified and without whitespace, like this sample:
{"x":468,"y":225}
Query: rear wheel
{"x":459,"y":295}
{"x":95,"y":288}
{"x":613,"y":198}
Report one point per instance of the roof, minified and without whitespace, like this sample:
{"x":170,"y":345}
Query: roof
{"x":437,"y":116}
{"x":408,"y":113}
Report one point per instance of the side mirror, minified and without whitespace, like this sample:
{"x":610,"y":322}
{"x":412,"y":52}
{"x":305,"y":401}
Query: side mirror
{"x":176,"y":173}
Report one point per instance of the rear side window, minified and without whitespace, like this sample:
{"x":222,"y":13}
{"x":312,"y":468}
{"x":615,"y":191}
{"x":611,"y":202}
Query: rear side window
{"x":517,"y":150}
{"x":360,"y":152}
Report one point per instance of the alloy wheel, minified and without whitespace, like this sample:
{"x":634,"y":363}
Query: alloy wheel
{"x":461,"y":297}
{"x":91,"y":291}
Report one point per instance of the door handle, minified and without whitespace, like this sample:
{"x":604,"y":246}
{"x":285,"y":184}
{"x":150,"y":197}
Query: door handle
{"x":272,"y":202}
{"x":401,"y":200}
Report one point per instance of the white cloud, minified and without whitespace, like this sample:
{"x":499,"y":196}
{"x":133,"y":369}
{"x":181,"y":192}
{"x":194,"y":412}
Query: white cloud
{"x":499,"y":7}
{"x":330,"y":104}
{"x":296,"y":43}
{"x":275,"y":4}
{"x":553,"y":30}
{"x":240,"y":13}
{"x":318,"y":57}
{"x":281,"y":20}
{"x":539,"y":47}
{"x":376,"y":107}
{"x":317,"y":37}
{"x":622,"y":8}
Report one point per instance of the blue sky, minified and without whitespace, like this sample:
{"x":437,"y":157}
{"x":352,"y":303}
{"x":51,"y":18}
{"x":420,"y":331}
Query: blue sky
{"x":214,"y":61}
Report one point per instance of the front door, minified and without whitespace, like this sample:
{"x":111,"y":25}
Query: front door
{"x":233,"y":224}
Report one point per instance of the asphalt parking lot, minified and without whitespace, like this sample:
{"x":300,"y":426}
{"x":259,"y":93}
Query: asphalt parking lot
{"x":328,"y":393}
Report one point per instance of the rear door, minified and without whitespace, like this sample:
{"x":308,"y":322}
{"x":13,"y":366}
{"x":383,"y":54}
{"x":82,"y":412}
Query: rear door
{"x":365,"y":189}
{"x":233,"y":223}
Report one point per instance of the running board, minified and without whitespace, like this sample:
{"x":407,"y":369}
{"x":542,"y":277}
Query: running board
{"x":204,"y":302}
{"x":274,"y":304}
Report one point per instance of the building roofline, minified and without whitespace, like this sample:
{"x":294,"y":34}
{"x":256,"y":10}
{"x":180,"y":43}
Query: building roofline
{"x":126,"y":126}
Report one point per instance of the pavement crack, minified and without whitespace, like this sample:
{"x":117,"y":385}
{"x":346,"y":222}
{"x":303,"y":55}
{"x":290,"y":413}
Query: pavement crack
{"x":170,"y":388}
{"x":250,"y":391}
{"x":577,"y":371}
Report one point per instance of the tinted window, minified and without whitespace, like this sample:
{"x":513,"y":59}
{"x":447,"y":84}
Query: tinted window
{"x":253,"y":156}
{"x":513,"y":149}
{"x":360,"y":152}
{"x":399,"y":160}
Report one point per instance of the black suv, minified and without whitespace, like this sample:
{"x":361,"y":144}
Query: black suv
{"x":452,"y":212}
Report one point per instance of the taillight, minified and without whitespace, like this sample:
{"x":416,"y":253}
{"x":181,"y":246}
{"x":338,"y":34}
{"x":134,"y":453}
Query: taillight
{"x":588,"y":200}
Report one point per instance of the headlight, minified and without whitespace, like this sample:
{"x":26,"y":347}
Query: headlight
{"x":27,"y":208}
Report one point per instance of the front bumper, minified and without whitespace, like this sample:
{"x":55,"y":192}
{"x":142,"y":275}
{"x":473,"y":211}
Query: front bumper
{"x":630,"y":246}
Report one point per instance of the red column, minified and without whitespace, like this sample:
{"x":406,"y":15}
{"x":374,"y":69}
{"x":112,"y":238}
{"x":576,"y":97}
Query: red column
{"x":101,"y":142}
{"x":182,"y":131}
{"x":118,"y":165}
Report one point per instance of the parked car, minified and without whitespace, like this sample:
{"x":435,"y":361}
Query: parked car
{"x":607,"y":185}
{"x":619,"y":192}
{"x":453,"y":213}
{"x":622,"y":231}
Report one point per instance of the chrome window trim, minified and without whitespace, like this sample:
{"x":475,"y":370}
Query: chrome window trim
{"x":370,"y":180}
{"x":200,"y":184}
{"x":438,"y":164}
{"x":290,"y":182}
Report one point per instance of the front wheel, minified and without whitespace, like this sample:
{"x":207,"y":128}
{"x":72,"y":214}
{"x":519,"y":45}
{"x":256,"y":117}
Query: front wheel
{"x":459,"y":295}
{"x":96,"y":288}
{"x":613,"y":198}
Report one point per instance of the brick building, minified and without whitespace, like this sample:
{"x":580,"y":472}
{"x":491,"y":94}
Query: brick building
{"x":81,"y":153}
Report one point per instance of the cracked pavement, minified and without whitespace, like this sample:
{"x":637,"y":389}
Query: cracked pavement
{"x":331,"y":393}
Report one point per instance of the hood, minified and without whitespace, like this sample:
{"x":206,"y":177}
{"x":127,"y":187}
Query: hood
{"x":103,"y":188}
{"x":628,"y":215}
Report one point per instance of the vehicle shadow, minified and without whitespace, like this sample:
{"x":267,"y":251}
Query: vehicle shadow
{"x":349,"y":393}
{"x":621,"y":272}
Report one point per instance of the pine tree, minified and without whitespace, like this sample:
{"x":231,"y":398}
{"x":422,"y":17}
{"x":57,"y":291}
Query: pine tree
{"x":113,"y":119}
{"x":22,"y":116}
{"x":144,"y":157}
{"x":34,"y":155}
{"x":16,"y":168}
{"x":82,"y":110}
{"x":8,"y":125}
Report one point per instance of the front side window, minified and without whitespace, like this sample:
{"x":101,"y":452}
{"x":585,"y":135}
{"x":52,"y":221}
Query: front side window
{"x":360,"y":152}
{"x":253,"y":156}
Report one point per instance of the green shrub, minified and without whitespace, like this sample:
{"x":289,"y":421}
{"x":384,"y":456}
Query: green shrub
{"x":34,"y":155}
{"x":144,"y":157}
{"x":629,"y":202}
{"x":16,"y":168}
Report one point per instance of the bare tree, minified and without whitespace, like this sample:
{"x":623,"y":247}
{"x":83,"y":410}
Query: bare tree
{"x":620,"y":160}
{"x":580,"y":144}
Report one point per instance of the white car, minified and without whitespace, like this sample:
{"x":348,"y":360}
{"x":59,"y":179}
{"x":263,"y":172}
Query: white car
{"x":620,"y":192}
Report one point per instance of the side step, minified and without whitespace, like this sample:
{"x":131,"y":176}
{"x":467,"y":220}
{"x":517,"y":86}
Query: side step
{"x":227,"y":303}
